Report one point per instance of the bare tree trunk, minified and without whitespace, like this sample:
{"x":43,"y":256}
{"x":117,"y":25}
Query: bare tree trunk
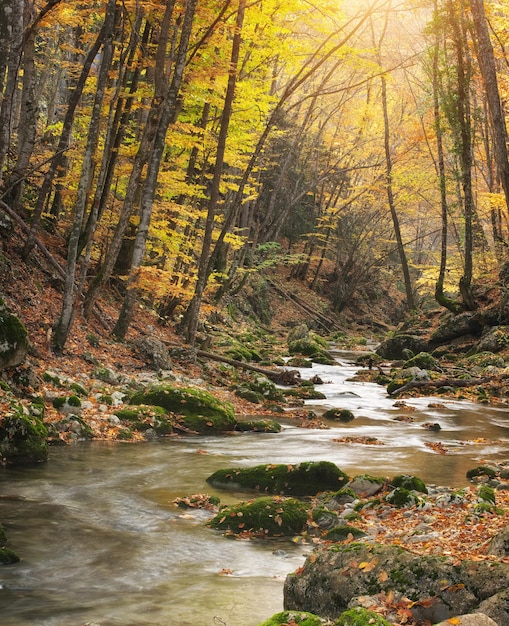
{"x":65,"y":321}
{"x":63,"y":143}
{"x":147,"y":199}
{"x":486,"y":60}
{"x":12,"y":43}
{"x":193,"y":310}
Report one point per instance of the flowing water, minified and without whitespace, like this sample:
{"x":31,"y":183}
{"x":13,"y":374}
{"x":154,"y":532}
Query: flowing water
{"x":102,"y":543}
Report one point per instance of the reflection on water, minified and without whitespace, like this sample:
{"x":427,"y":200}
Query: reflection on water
{"x":102,"y":542}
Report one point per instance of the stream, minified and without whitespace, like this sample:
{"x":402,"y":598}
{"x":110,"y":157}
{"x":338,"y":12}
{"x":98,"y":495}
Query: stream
{"x":103,"y":544}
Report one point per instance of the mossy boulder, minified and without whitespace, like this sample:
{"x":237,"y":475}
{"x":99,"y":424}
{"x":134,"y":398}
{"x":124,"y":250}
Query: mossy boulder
{"x":259,"y":426}
{"x":332,"y":577}
{"x":407,"y":481}
{"x":13,"y":338}
{"x":266,"y":516}
{"x":22,"y":437}
{"x":397,"y":347}
{"x":142,"y":417}
{"x":195,"y":409}
{"x":401,"y":497}
{"x":302,"y":618}
{"x":359,"y":616}
{"x":344,"y":531}
{"x":305,"y":392}
{"x":366,"y":485}
{"x":7,"y":557}
{"x":423,"y":360}
{"x":339,"y":415}
{"x":248,"y":394}
{"x":481,"y":472}
{"x":311,"y":348}
{"x":303,"y":479}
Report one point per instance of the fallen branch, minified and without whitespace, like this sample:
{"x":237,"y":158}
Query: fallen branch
{"x":443,"y":382}
{"x":280,"y":376}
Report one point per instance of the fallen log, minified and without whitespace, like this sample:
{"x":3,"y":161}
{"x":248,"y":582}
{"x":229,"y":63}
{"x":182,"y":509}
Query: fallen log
{"x":443,"y":382}
{"x":279,"y":376}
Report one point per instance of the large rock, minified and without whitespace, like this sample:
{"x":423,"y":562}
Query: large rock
{"x":154,"y":352}
{"x":472,"y":619}
{"x":440,"y":588}
{"x":464,"y":324}
{"x":304,"y":479}
{"x":267,"y":516}
{"x":196,"y":410}
{"x":399,"y":346}
{"x":13,"y":339}
{"x":22,"y":437}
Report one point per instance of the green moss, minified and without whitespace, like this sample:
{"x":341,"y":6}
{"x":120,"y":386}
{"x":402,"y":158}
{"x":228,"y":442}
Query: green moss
{"x":299,"y":361}
{"x":74,"y":401}
{"x":339,"y":415}
{"x":249,"y":395}
{"x":487,"y":494}
{"x":7,"y":557}
{"x":259,"y":426}
{"x":481,"y":470}
{"x":22,"y":437}
{"x":340,"y":533}
{"x":360,"y":616}
{"x":423,"y":360}
{"x":144,"y":417}
{"x":302,"y":618}
{"x":304,"y":479}
{"x":13,"y":338}
{"x":198,"y":410}
{"x":306,"y":393}
{"x":407,"y":481}
{"x":48,"y":377}
{"x":402,"y":497}
{"x":78,"y":389}
{"x":266,"y":516}
{"x":3,"y":537}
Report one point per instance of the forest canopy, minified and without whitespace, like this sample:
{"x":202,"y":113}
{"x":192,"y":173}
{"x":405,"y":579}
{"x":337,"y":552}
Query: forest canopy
{"x":186,"y":147}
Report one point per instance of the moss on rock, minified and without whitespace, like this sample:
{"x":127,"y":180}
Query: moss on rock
{"x":302,"y":618}
{"x":259,"y":426}
{"x":143,"y":417}
{"x":407,"y":481}
{"x":266,"y":516}
{"x":359,"y":616}
{"x":13,"y":338}
{"x":344,"y":531}
{"x":339,"y":415}
{"x":22,"y":437}
{"x":198,"y":410}
{"x":304,"y":479}
{"x":7,"y":557}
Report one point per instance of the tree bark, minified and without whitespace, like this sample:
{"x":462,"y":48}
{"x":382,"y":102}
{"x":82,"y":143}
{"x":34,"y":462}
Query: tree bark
{"x":193,"y":311}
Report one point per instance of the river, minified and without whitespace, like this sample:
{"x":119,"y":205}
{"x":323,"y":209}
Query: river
{"x":102,"y":542}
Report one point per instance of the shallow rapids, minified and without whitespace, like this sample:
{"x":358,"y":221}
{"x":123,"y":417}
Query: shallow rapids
{"x":102,"y":543}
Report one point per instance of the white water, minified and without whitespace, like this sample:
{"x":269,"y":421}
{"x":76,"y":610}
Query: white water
{"x":101,"y":541}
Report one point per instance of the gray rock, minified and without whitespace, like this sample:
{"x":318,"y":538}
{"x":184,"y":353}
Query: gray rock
{"x":331,"y":578}
{"x":397,"y":347}
{"x":365,"y":486}
{"x":499,"y":545}
{"x":13,"y":339}
{"x":154,"y":352}
{"x":496,"y":607}
{"x":472,"y":619}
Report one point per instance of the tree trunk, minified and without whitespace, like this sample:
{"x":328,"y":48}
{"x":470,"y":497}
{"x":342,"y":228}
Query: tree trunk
{"x":147,"y":200}
{"x":193,"y":310}
{"x":65,"y":321}
{"x":486,"y":60}
{"x":63,"y":143}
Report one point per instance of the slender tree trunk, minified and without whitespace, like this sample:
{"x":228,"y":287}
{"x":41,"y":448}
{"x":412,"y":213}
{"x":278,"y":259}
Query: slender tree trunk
{"x":12,"y":43}
{"x":27,"y":125}
{"x":65,"y":321}
{"x":63,"y":143}
{"x":440,"y":296}
{"x":192,"y":314}
{"x":410,"y":302}
{"x":147,"y":199}
{"x":486,"y":60}
{"x":465,"y":147}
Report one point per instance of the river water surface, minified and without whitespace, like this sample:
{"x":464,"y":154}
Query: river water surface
{"x":102,"y":543}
